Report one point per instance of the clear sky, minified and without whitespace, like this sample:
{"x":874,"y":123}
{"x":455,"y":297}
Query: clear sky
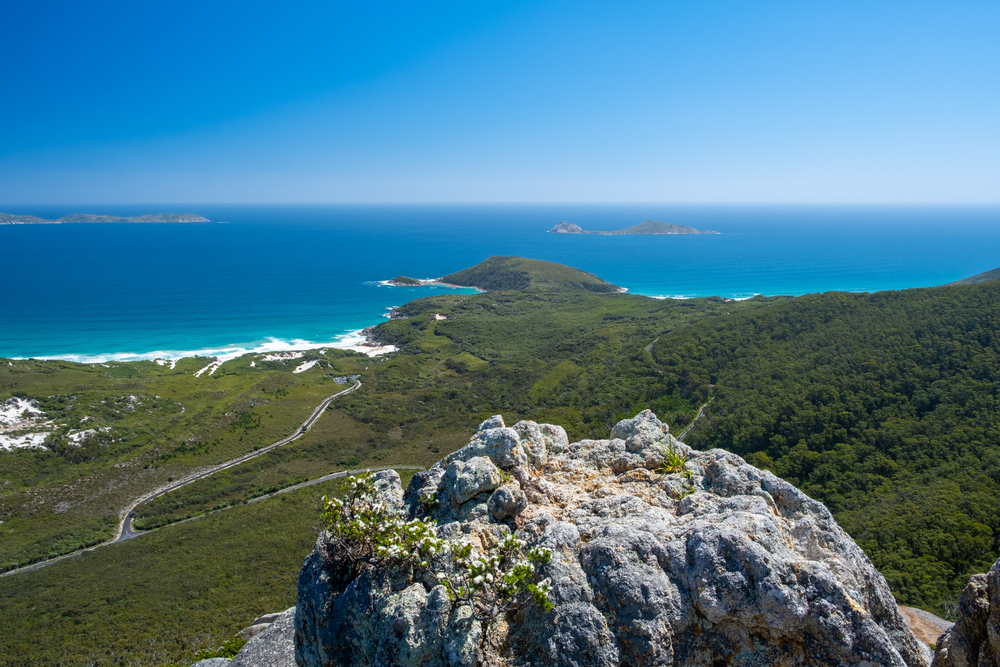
{"x":483,"y":101}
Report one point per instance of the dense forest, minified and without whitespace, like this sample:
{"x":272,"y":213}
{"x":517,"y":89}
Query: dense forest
{"x":883,"y":406}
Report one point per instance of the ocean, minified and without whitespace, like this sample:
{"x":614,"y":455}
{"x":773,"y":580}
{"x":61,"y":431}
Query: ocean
{"x":278,"y":277}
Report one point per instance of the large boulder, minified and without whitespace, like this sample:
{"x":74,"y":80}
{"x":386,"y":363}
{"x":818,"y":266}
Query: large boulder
{"x":272,"y":647}
{"x":974,"y":640}
{"x":713,"y":562}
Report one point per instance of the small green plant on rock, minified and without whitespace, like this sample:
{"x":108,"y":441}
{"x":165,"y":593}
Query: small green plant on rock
{"x":494,"y":583}
{"x":228,"y":650}
{"x":367,"y":532}
{"x":675,"y":462}
{"x":429,"y":501}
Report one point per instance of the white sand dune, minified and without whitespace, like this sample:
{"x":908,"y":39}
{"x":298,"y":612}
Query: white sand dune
{"x":211,"y":368}
{"x":301,"y":368}
{"x":26,"y":440}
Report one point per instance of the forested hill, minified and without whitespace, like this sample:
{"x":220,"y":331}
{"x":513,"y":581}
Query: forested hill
{"x":518,"y":273}
{"x":884,"y":406}
{"x":984,"y":277}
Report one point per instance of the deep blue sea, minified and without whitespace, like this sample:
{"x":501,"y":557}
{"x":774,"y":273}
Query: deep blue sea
{"x":269,"y":277}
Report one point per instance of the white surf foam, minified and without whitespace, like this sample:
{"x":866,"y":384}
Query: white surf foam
{"x":349,"y":340}
{"x":222,"y":352}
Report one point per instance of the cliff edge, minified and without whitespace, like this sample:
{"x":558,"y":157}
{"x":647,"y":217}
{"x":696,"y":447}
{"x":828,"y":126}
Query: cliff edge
{"x":646,"y":553}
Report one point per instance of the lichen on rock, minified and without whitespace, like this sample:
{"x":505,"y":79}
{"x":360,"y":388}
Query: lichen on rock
{"x":720,"y":563}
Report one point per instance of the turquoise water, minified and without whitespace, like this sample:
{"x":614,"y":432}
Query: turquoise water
{"x":281,"y":277}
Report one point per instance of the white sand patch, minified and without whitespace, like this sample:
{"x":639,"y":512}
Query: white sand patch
{"x":211,"y":368}
{"x":301,"y":368}
{"x":253,"y":364}
{"x":439,"y":316}
{"x":27,"y":440}
{"x":77,"y":437}
{"x":16,"y":410}
{"x":170,"y":363}
{"x":358,"y":342}
{"x":283,"y":356}
{"x":372,"y":351}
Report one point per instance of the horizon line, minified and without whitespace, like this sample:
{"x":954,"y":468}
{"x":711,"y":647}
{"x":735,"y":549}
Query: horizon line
{"x":511,"y":203}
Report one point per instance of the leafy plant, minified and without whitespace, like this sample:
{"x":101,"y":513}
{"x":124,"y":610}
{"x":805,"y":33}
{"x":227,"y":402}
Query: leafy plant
{"x":495,"y":583}
{"x":366,"y":531}
{"x":429,"y":501}
{"x":229,"y":649}
{"x":673,"y":460}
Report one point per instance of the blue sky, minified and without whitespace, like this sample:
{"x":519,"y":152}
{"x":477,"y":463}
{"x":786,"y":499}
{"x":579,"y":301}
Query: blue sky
{"x":695,"y":101}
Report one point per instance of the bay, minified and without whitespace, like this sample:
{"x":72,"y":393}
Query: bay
{"x":273,"y":277}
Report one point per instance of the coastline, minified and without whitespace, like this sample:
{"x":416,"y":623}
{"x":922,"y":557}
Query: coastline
{"x":430,"y":282}
{"x":356,"y":340}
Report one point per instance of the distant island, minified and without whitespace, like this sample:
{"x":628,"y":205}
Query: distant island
{"x":644,"y":227}
{"x":406,"y":281}
{"x":11,"y":219}
{"x":498,"y":274}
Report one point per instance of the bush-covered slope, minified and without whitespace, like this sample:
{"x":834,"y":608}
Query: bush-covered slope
{"x":884,"y":406}
{"x":517,"y":273}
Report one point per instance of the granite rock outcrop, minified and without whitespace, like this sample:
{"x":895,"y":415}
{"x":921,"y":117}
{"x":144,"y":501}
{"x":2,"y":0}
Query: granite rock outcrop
{"x":974,"y":640}
{"x":660,"y":555}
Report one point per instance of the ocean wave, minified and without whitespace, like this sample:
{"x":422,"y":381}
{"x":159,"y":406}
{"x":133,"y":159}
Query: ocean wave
{"x":683,"y":296}
{"x":427,"y":282}
{"x":222,"y":352}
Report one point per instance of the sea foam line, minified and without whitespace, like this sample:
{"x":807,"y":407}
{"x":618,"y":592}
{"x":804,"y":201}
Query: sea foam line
{"x":346,"y":341}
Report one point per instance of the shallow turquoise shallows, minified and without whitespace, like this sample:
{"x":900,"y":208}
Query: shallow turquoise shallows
{"x":278,"y":277}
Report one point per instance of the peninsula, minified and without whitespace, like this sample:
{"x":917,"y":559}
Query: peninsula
{"x":985,"y":277}
{"x":11,"y":219}
{"x":644,"y":227}
{"x":497,"y":274}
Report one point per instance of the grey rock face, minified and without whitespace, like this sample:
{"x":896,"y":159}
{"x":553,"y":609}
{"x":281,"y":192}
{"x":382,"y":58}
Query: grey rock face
{"x":728,"y":566}
{"x":507,"y":502}
{"x":273,"y":647}
{"x":211,"y":662}
{"x":464,"y":480}
{"x":974,"y":640}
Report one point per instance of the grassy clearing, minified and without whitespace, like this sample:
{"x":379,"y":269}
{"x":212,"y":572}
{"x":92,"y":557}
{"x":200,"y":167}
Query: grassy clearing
{"x":149,"y":425}
{"x":166,"y":595}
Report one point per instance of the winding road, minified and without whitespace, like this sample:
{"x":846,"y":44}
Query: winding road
{"x":701,"y":413}
{"x":127,"y":532}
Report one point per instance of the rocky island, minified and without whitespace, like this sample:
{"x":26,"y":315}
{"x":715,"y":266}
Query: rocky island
{"x":406,"y":281}
{"x":11,"y":219}
{"x":644,"y":227}
{"x":496,"y":274}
